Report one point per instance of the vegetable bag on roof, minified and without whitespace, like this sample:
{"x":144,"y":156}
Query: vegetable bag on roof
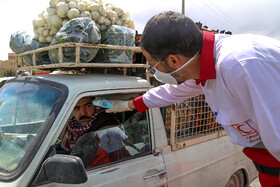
{"x":21,"y":42}
{"x":116,"y":35}
{"x":48,"y":23}
{"x":79,"y":30}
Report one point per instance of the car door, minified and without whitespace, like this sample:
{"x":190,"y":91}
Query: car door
{"x":141,"y":169}
{"x":135,"y":165}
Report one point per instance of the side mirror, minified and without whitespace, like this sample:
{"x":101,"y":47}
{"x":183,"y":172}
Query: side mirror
{"x":62,"y":169}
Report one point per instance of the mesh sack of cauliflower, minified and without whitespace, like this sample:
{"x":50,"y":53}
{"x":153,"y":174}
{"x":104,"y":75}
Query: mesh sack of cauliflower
{"x":21,"y":42}
{"x":78,"y":30}
{"x":116,"y":35}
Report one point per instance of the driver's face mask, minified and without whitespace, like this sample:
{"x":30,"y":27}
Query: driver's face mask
{"x":167,"y":77}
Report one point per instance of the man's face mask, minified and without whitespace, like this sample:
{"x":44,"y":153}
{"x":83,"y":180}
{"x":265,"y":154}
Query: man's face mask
{"x":167,"y":77}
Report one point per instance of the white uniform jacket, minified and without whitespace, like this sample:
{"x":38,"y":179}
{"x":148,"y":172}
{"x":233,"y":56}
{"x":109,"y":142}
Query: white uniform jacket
{"x":245,"y":93}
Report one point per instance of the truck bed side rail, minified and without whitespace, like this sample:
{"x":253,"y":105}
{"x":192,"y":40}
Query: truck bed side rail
{"x":194,"y":122}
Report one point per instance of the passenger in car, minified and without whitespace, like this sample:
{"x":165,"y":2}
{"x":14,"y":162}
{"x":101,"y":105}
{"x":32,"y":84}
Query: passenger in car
{"x":112,"y":141}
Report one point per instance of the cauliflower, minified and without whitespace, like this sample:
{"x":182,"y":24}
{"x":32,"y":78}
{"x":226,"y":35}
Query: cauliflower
{"x":103,"y":27}
{"x":118,"y":22}
{"x":99,"y":2}
{"x":62,"y":9}
{"x":111,"y":14}
{"x":118,"y":11}
{"x":113,"y":21}
{"x":75,"y":1}
{"x":93,"y":7}
{"x":55,"y":20}
{"x":53,"y":3}
{"x":95,"y":16}
{"x":86,"y":14}
{"x":49,"y":39}
{"x":107,"y":22}
{"x":101,"y":20}
{"x":109,"y":6}
{"x":59,"y":12}
{"x":54,"y":29}
{"x":42,"y":39}
{"x":46,"y":32}
{"x":39,"y":22}
{"x":51,"y":11}
{"x":81,"y":7}
{"x":41,"y":30}
{"x":72,"y":5}
{"x":87,"y":2}
{"x":51,"y":33}
{"x":102,"y":11}
{"x":73,"y":13}
{"x":64,"y":21}
{"x":124,"y":19}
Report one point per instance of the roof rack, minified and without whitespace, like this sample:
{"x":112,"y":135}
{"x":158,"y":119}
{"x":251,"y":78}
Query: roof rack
{"x":77,"y":63}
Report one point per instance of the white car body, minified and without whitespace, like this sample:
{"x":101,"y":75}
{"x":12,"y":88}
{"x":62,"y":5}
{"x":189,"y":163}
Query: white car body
{"x":209,"y":163}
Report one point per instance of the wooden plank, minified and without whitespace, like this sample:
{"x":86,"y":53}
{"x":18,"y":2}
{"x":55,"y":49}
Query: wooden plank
{"x":71,"y":44}
{"x":78,"y":53}
{"x":60,"y":55}
{"x":173,"y":124}
{"x":125,"y":71}
{"x":34,"y":59}
{"x":77,"y":63}
{"x":81,"y":65}
{"x":16,"y":64}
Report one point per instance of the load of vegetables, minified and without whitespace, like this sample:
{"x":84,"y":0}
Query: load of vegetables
{"x":116,"y":35}
{"x":21,"y":42}
{"x":79,"y":30}
{"x":59,"y":12}
{"x":80,"y":21}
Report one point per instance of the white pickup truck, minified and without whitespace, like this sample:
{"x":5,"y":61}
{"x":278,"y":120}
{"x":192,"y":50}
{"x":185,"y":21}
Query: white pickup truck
{"x":179,"y":145}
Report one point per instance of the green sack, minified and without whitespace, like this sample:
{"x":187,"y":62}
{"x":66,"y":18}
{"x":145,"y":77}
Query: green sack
{"x":116,"y":35}
{"x":78,"y":30}
{"x":21,"y":42}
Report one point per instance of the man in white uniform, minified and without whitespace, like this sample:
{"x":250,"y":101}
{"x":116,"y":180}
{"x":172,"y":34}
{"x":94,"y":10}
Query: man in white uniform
{"x":238,"y":74}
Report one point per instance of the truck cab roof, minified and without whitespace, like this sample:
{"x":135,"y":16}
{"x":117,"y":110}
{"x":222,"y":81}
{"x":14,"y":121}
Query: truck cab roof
{"x":93,"y":82}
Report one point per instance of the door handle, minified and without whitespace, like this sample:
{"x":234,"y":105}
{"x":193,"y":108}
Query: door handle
{"x":160,"y":173}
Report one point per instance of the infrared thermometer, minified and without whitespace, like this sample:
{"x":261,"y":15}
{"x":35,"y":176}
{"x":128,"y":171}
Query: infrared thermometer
{"x":102,"y":103}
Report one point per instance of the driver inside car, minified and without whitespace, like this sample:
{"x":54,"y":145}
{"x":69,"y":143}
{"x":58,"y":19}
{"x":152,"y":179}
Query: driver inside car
{"x":87,"y":118}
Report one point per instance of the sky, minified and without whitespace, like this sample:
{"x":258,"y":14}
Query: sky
{"x":237,"y":16}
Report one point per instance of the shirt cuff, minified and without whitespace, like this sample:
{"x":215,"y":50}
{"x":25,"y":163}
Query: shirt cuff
{"x":139,"y":104}
{"x":261,"y":156}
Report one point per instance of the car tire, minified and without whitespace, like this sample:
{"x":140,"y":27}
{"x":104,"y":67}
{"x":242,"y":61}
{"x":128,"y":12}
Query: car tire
{"x":236,"y":180}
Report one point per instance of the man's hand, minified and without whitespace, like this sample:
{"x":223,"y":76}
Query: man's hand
{"x":118,"y":106}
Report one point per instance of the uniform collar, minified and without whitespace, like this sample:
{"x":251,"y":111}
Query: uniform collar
{"x":207,"y":64}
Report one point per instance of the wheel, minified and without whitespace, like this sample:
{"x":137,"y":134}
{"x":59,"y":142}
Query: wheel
{"x":236,"y":180}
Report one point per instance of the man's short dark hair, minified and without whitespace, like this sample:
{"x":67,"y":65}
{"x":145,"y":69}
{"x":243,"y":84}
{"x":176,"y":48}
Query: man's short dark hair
{"x":171,"y":33}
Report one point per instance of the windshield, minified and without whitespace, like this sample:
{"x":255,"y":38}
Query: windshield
{"x":24,"y":107}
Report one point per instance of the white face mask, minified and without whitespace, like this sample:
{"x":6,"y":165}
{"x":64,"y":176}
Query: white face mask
{"x":167,"y":77}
